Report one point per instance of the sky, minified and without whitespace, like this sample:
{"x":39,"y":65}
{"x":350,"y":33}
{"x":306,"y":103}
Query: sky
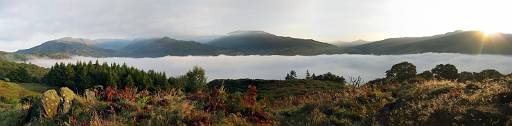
{"x":27,"y":23}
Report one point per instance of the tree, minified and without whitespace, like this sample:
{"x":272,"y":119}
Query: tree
{"x":330,"y":77}
{"x":308,"y":75}
{"x":488,"y":74}
{"x":291,"y":76}
{"x":129,"y":82}
{"x":196,"y":80}
{"x":19,"y":75}
{"x":466,"y":76}
{"x":427,"y":75}
{"x":401,"y":72}
{"x":445,"y":71}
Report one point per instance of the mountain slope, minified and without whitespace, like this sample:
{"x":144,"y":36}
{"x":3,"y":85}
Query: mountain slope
{"x":262,"y":43}
{"x":68,"y":46}
{"x":114,"y":44}
{"x":166,"y":46}
{"x":350,"y":44}
{"x":467,"y":42}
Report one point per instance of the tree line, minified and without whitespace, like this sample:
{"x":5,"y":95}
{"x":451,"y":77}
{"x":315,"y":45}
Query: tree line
{"x":292,"y":75}
{"x":81,"y":75}
{"x":406,"y":72}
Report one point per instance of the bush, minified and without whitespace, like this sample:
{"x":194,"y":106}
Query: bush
{"x":427,"y":75}
{"x":401,"y":72}
{"x":445,"y":71}
{"x":195,"y":80}
{"x":329,"y":77}
{"x":488,"y":74}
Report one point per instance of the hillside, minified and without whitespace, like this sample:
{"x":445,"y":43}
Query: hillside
{"x":7,"y":56}
{"x":19,"y":90}
{"x":263,"y":43}
{"x":68,"y":46}
{"x":114,"y":44}
{"x":167,"y":46}
{"x":465,"y":42}
{"x":350,"y":44}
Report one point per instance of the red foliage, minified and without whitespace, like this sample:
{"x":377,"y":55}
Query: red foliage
{"x":257,"y":114}
{"x":110,"y":91}
{"x":128,"y":93}
{"x":215,"y":102}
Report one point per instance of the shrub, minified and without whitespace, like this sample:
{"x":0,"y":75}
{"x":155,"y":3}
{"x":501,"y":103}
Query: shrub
{"x":329,"y":77}
{"x":445,"y":71}
{"x":196,"y":80}
{"x":401,"y":72}
{"x":427,"y":75}
{"x":488,"y":74}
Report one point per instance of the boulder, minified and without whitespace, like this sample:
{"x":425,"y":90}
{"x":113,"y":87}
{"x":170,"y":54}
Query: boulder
{"x":90,"y":95}
{"x":50,"y":103}
{"x":67,"y":98}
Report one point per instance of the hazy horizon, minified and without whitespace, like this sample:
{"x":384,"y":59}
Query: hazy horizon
{"x":29,"y":23}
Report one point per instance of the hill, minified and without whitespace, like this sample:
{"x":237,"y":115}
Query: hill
{"x":18,"y":90}
{"x":114,"y":44}
{"x":350,"y":44}
{"x":167,"y":46}
{"x":69,"y":46}
{"x":263,"y":43}
{"x":465,"y":42}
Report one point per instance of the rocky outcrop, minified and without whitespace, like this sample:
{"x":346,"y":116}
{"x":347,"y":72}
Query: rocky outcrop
{"x":54,"y":103}
{"x":67,"y":98}
{"x":50,"y":103}
{"x":90,"y":95}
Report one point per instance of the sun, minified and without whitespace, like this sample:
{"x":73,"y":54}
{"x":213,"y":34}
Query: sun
{"x":489,"y":32}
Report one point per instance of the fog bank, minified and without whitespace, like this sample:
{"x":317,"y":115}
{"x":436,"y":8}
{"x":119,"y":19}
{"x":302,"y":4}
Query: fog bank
{"x":275,"y":67}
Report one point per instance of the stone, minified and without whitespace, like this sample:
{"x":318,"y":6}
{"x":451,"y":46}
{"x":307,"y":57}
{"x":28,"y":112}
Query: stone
{"x":90,"y":95}
{"x":50,"y":103}
{"x":67,"y":98}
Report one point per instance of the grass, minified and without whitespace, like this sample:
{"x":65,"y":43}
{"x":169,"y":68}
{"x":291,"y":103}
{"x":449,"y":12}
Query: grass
{"x":19,"y":90}
{"x":274,"y":89}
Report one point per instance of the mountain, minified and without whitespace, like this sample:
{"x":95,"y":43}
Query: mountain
{"x":114,"y":44}
{"x":167,"y":46}
{"x":69,"y":46}
{"x":466,"y":42}
{"x":263,"y":43}
{"x":350,"y":44}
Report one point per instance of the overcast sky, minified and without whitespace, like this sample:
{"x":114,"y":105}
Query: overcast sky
{"x":26,"y":23}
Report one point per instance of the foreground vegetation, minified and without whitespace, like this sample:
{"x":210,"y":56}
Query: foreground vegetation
{"x":441,"y":96}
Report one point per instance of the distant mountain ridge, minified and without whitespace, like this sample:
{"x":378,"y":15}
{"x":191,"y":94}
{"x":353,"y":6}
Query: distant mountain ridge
{"x":68,"y":45}
{"x":465,"y":42}
{"x":263,"y":43}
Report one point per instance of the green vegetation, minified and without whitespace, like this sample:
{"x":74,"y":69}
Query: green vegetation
{"x":81,"y":76}
{"x":277,"y":88}
{"x":135,"y":97}
{"x":401,"y":72}
{"x":21,"y":72}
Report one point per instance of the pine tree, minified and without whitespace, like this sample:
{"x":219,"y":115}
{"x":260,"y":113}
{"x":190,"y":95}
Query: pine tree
{"x":308,"y":75}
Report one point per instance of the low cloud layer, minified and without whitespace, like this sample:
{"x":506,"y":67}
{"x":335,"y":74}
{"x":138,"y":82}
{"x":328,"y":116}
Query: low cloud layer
{"x":275,"y":67}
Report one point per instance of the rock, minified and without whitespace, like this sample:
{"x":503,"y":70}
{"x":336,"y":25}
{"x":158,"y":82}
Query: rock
{"x":67,"y":98}
{"x":50,"y":103}
{"x":90,"y":95}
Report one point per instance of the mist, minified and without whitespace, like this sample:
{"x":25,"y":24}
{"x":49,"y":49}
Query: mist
{"x":368,"y":67}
